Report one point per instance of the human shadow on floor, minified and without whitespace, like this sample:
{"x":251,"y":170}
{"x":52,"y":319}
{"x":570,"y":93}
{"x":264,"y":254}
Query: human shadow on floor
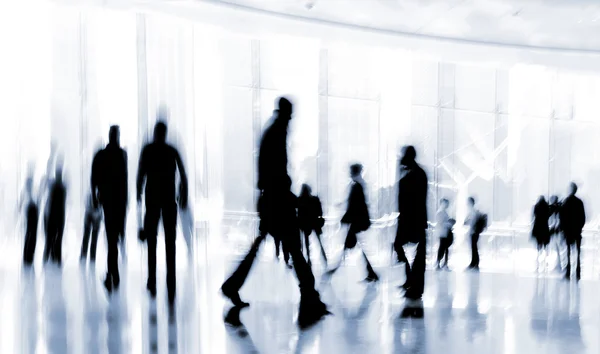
{"x":29,"y":311}
{"x":238,"y":331}
{"x":476,"y":321}
{"x":409,"y":335}
{"x":443,"y":304}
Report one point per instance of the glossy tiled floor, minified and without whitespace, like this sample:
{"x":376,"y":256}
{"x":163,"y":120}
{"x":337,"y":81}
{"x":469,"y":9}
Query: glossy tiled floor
{"x":67,"y":311}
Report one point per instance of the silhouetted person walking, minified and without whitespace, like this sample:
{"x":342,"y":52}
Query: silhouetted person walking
{"x":477,"y":223}
{"x":55,"y":220}
{"x":109,"y":188}
{"x":30,"y":207}
{"x":357,"y":218}
{"x":443,"y":230}
{"x":310,"y":218}
{"x":91,"y":228}
{"x":278,"y":218}
{"x":572,"y":220}
{"x":541,"y":228}
{"x":412,"y":221}
{"x":554,"y":227}
{"x":159,"y":163}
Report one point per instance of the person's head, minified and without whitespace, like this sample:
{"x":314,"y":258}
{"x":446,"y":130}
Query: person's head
{"x":29,"y":184}
{"x":306,"y":190}
{"x":553,"y":199}
{"x":471,"y":202}
{"x":541,"y":199}
{"x":572,"y":189}
{"x":356,"y":171}
{"x":160,"y":132}
{"x":409,"y":155}
{"x":284,"y":107}
{"x":114,"y":135}
{"x":444,"y":203}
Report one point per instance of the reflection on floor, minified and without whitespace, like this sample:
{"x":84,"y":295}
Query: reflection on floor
{"x":67,"y":311}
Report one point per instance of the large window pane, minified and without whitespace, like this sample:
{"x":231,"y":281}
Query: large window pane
{"x":475,"y":88}
{"x":353,"y":129}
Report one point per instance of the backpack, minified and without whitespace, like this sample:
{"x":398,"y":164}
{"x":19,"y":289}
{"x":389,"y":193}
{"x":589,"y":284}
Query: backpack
{"x":482,"y":223}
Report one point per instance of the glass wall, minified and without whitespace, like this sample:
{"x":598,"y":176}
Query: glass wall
{"x":504,"y":135}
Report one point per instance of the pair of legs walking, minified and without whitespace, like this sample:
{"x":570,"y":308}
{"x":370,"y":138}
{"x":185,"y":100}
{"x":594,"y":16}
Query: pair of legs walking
{"x":350,"y":243}
{"x":114,"y":222}
{"x":415,"y":274}
{"x":307,"y":232}
{"x":573,"y":241}
{"x":278,"y":218}
{"x":30,"y":234}
{"x":168,"y":211}
{"x":91,"y":228}
{"x":443,"y":250}
{"x":474,"y":252}
{"x":55,"y":225}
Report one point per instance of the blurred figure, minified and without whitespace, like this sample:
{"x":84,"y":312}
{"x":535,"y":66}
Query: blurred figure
{"x":29,"y":205}
{"x":278,"y":218}
{"x":55,"y":217}
{"x":572,"y":220}
{"x":109,"y":189}
{"x":159,"y":163}
{"x":91,"y":227}
{"x":443,"y":230}
{"x":357,"y":218}
{"x":310,"y":218}
{"x":412,"y":221}
{"x":477,"y":223}
{"x":541,"y":228}
{"x":554,"y":228}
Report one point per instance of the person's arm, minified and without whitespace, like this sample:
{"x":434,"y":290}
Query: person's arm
{"x":141,"y":175}
{"x":94,"y":179}
{"x":125,"y":178}
{"x":183,"y":186}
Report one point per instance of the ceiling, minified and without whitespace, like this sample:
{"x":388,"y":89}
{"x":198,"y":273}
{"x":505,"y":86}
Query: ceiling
{"x":556,"y":24}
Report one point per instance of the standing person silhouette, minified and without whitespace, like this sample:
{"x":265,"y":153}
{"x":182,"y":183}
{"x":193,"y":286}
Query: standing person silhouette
{"x":412,"y":221}
{"x":30,"y":206}
{"x":572,"y":220}
{"x":109,"y":188}
{"x":310,"y":217}
{"x":55,"y":217}
{"x":159,"y":163}
{"x":541,"y":229}
{"x":357,"y":218}
{"x":278,"y":218}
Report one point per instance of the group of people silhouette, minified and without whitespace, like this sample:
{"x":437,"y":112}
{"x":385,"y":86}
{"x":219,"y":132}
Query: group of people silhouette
{"x":108,"y":199}
{"x":283,"y":215}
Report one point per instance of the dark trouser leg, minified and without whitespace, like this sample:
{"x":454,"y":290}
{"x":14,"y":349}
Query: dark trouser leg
{"x":238,"y":277}
{"x":578,"y":269}
{"x":30,"y":236}
{"x":319,"y":232}
{"x":402,"y":259}
{"x":307,"y":243}
{"x":151,"y":230}
{"x":112,"y":261}
{"x":94,"y":241}
{"x":87,"y":230}
{"x":474,"y":251}
{"x":57,"y":247}
{"x":50,"y":230}
{"x":568,"y":270}
{"x":441,"y":250}
{"x":417,"y":284}
{"x":446,"y":254}
{"x":169,"y":213}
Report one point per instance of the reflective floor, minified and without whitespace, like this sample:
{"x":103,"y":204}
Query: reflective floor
{"x":67,"y":311}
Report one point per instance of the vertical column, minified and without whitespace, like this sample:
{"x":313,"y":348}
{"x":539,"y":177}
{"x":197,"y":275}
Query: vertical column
{"x":142,"y":80}
{"x":323,"y":152}
{"x":256,"y":117}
